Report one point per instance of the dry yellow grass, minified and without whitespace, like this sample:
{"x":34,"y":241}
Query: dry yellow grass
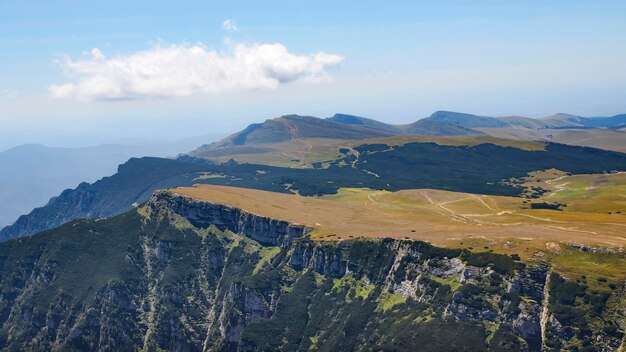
{"x":444,"y":218}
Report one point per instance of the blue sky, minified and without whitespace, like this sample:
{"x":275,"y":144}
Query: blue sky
{"x":395,"y":61}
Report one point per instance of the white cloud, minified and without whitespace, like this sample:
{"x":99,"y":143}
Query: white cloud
{"x":181,"y":70}
{"x":62,"y":90}
{"x":230,"y":25}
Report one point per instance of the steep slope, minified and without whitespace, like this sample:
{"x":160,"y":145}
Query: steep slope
{"x":31,"y":174}
{"x":432,"y":127}
{"x":564,"y":120}
{"x":422,"y":127}
{"x":377,"y":166}
{"x":467,"y":120}
{"x":294,"y":126}
{"x":363,"y":121}
{"x":432,"y":215}
{"x":525,"y":122}
{"x":183,"y":275}
{"x":108,"y":196}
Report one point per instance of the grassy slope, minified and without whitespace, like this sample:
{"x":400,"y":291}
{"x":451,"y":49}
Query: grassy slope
{"x":608,"y":139}
{"x":502,"y":224}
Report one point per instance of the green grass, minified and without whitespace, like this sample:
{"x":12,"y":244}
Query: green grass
{"x":314,"y":340}
{"x":353,"y":287}
{"x":207,"y":176}
{"x":491,"y":329}
{"x":600,"y":269}
{"x":454,"y":285}
{"x":267,"y":254}
{"x":387,"y":301}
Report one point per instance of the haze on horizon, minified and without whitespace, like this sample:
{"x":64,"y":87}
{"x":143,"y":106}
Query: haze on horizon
{"x":113,"y":72}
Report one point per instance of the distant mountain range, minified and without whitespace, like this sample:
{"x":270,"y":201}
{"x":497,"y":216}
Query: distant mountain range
{"x":31,"y":174}
{"x":616,"y":122}
{"x":287,"y":139}
{"x":423,"y":127}
{"x":340,"y":126}
{"x":555,"y":121}
{"x":440,"y":123}
{"x":295,"y":134}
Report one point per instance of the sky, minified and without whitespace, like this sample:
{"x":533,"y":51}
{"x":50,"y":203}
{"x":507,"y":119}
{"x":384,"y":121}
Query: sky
{"x":90,"y":72}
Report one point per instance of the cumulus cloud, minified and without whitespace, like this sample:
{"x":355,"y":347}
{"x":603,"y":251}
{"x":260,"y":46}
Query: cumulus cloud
{"x":181,"y":70}
{"x":230,"y":25}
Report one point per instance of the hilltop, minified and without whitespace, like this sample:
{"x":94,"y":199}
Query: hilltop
{"x":441,"y":217}
{"x":299,"y":134}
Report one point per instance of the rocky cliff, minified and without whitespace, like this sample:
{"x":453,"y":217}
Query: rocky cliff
{"x":183,"y":275}
{"x":202,"y":214}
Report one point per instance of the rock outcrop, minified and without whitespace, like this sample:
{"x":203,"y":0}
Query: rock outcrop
{"x":202,"y":214}
{"x":184,"y":275}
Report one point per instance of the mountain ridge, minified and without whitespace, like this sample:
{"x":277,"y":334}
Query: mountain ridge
{"x":377,"y":166}
{"x":440,"y":123}
{"x":225,"y":280}
{"x":31,"y":174}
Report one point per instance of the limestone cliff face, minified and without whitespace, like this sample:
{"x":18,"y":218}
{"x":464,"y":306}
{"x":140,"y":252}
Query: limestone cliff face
{"x":202,"y":214}
{"x":183,"y":275}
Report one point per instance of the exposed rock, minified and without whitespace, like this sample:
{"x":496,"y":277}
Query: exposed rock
{"x":156,"y":284}
{"x":265,"y":230}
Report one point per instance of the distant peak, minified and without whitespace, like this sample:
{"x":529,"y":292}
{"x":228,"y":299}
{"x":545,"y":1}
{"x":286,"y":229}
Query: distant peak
{"x":298,"y":117}
{"x":564,"y":117}
{"x":440,"y":113}
{"x":347,"y":119}
{"x":564,"y":114}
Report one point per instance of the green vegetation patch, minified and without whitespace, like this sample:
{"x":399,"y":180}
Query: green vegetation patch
{"x":355,"y":288}
{"x":500,"y":263}
{"x":600,"y":269}
{"x":387,"y":301}
{"x":267,"y":254}
{"x":208,"y":175}
{"x":454,"y":284}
